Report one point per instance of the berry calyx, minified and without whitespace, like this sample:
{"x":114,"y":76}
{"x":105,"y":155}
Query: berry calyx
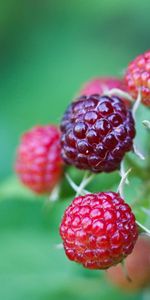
{"x":98,"y":230}
{"x":137,"y":77}
{"x":96,"y":133}
{"x":102,"y":85}
{"x":38,"y":162}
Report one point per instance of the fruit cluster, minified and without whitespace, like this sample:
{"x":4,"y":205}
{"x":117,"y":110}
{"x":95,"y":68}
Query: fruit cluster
{"x":98,"y":128}
{"x":97,"y":131}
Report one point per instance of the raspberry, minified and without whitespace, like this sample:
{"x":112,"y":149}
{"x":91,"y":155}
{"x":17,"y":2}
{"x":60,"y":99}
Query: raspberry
{"x":96,"y":133}
{"x":98,"y":230}
{"x":39,"y":164}
{"x":101,"y":84}
{"x":138,"y":77}
{"x":139,"y":259}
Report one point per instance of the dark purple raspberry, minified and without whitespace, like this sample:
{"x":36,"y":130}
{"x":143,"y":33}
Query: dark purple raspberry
{"x":96,"y":133}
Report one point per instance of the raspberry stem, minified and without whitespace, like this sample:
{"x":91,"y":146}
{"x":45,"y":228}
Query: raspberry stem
{"x":146,"y":123}
{"x":122,"y":183}
{"x":136,"y":104}
{"x":85,"y":181}
{"x":119,"y":93}
{"x":122,"y":171}
{"x":75,"y":187}
{"x":142,"y":228}
{"x":138,"y":153}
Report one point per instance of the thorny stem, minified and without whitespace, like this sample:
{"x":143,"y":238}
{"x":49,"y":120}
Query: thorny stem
{"x":74,"y":186}
{"x":122,"y":183}
{"x":80,"y":190}
{"x":85,"y":181}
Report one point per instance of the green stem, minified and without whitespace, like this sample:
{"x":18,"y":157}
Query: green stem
{"x":122,"y":183}
{"x":85,"y":181}
{"x":80,"y":190}
{"x":143,"y":229}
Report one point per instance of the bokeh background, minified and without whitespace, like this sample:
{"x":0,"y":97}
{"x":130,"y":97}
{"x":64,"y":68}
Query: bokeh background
{"x":48,"y":48}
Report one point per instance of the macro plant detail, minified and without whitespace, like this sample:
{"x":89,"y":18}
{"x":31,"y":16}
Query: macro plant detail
{"x":97,"y":131}
{"x":100,"y":85}
{"x":98,"y":230}
{"x":38,"y":162}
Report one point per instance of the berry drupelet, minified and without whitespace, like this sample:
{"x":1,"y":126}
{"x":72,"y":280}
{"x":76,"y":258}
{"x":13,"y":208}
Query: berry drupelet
{"x":138,"y":77}
{"x":96,"y":133}
{"x":98,"y":230}
{"x":39,"y":163}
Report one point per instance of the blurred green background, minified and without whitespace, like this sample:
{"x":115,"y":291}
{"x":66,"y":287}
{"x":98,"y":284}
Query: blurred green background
{"x":48,"y":48}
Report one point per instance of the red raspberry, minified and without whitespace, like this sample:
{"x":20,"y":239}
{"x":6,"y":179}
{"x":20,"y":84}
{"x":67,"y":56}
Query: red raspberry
{"x":101,"y":84}
{"x":138,"y":77}
{"x":39,"y":164}
{"x":137,"y":266}
{"x":98,"y":230}
{"x":96,"y":133}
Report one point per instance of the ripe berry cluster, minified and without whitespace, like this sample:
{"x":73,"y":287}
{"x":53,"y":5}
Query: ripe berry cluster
{"x":97,"y":131}
{"x":98,"y":230}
